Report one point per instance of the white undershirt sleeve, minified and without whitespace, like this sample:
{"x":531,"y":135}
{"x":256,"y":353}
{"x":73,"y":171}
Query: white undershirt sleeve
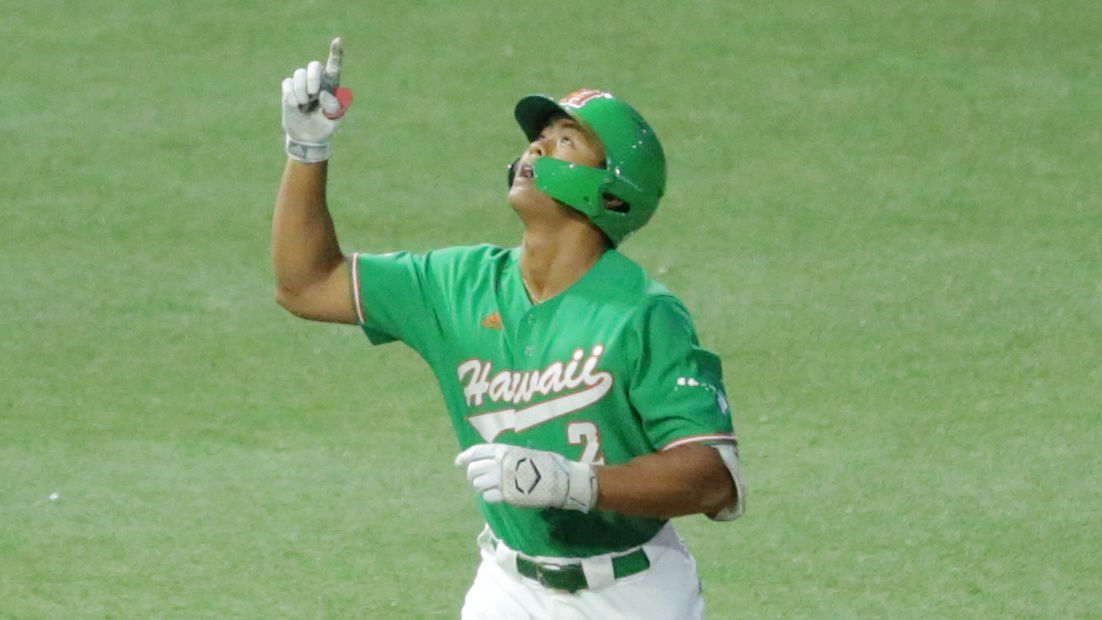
{"x":729,"y":454}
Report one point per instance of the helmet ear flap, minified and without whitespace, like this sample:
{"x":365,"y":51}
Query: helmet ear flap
{"x":513,"y":170}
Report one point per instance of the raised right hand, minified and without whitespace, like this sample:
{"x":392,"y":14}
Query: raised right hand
{"x":313,"y":107}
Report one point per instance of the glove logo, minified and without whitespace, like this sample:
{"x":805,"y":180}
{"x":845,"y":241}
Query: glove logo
{"x":528,"y":476}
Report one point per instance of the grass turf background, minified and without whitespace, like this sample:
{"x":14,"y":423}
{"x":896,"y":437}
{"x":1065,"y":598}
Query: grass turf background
{"x":886,"y":218}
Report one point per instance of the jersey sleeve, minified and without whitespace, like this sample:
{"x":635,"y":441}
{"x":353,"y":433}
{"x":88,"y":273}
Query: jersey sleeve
{"x":677,"y":385}
{"x":398,"y":297}
{"x":677,"y":389}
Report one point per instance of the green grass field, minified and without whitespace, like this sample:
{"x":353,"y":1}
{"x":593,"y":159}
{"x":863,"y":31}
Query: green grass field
{"x":886,"y":217}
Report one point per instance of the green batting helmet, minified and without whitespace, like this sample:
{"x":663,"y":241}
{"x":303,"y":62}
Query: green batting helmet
{"x":635,"y":166}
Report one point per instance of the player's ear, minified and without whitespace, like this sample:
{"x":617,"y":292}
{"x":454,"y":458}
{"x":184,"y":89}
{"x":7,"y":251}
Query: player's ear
{"x":612,"y":203}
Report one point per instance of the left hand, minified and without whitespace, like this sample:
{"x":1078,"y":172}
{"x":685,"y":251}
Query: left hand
{"x":529,"y":478}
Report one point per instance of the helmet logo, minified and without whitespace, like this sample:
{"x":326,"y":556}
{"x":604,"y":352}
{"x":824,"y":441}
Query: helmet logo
{"x":583,"y":96}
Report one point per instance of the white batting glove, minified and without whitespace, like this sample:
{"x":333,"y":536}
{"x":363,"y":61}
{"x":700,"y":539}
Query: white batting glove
{"x":529,"y":478}
{"x":313,"y":106}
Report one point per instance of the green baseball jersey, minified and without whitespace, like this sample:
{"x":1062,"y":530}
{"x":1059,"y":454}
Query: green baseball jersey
{"x":608,"y":370}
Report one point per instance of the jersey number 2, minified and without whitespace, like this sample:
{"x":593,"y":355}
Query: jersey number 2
{"x":586,"y":434}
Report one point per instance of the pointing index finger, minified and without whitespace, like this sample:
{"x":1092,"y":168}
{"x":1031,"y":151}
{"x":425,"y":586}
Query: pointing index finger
{"x":332,"y":76}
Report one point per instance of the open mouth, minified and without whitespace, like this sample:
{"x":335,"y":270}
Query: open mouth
{"x":525,"y":171}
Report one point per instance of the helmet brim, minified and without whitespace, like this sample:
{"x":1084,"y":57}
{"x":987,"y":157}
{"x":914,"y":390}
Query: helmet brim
{"x":533,"y":112}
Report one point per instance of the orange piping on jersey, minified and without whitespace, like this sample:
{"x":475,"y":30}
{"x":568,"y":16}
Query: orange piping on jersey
{"x":677,"y":443}
{"x":356,"y":287}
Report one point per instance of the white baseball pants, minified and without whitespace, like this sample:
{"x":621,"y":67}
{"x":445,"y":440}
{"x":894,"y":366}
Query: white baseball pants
{"x":668,"y":590}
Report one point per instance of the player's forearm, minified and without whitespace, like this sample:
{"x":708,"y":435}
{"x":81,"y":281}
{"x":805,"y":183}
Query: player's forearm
{"x":687,"y":480}
{"x":305,"y":250}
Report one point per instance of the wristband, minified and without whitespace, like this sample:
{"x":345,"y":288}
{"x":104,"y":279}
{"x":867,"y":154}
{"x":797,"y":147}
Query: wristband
{"x":306,"y":152}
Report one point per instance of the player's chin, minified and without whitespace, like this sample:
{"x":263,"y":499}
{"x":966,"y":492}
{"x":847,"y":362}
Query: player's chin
{"x":524,"y":194}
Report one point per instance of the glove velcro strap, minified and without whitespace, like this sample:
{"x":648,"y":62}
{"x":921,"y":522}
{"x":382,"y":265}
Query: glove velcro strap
{"x":306,"y":152}
{"x":581,"y":494}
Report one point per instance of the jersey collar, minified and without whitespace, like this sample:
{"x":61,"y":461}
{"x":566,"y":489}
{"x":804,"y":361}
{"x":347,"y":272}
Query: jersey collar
{"x":589,"y":285}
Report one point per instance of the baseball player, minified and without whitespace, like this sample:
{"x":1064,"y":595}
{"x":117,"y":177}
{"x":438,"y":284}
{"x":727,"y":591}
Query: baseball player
{"x":586,"y":411}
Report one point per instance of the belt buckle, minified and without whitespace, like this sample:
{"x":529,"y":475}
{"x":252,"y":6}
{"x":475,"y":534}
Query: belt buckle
{"x":543,"y":569}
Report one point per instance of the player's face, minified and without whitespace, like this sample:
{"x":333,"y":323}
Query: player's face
{"x":563,"y":139}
